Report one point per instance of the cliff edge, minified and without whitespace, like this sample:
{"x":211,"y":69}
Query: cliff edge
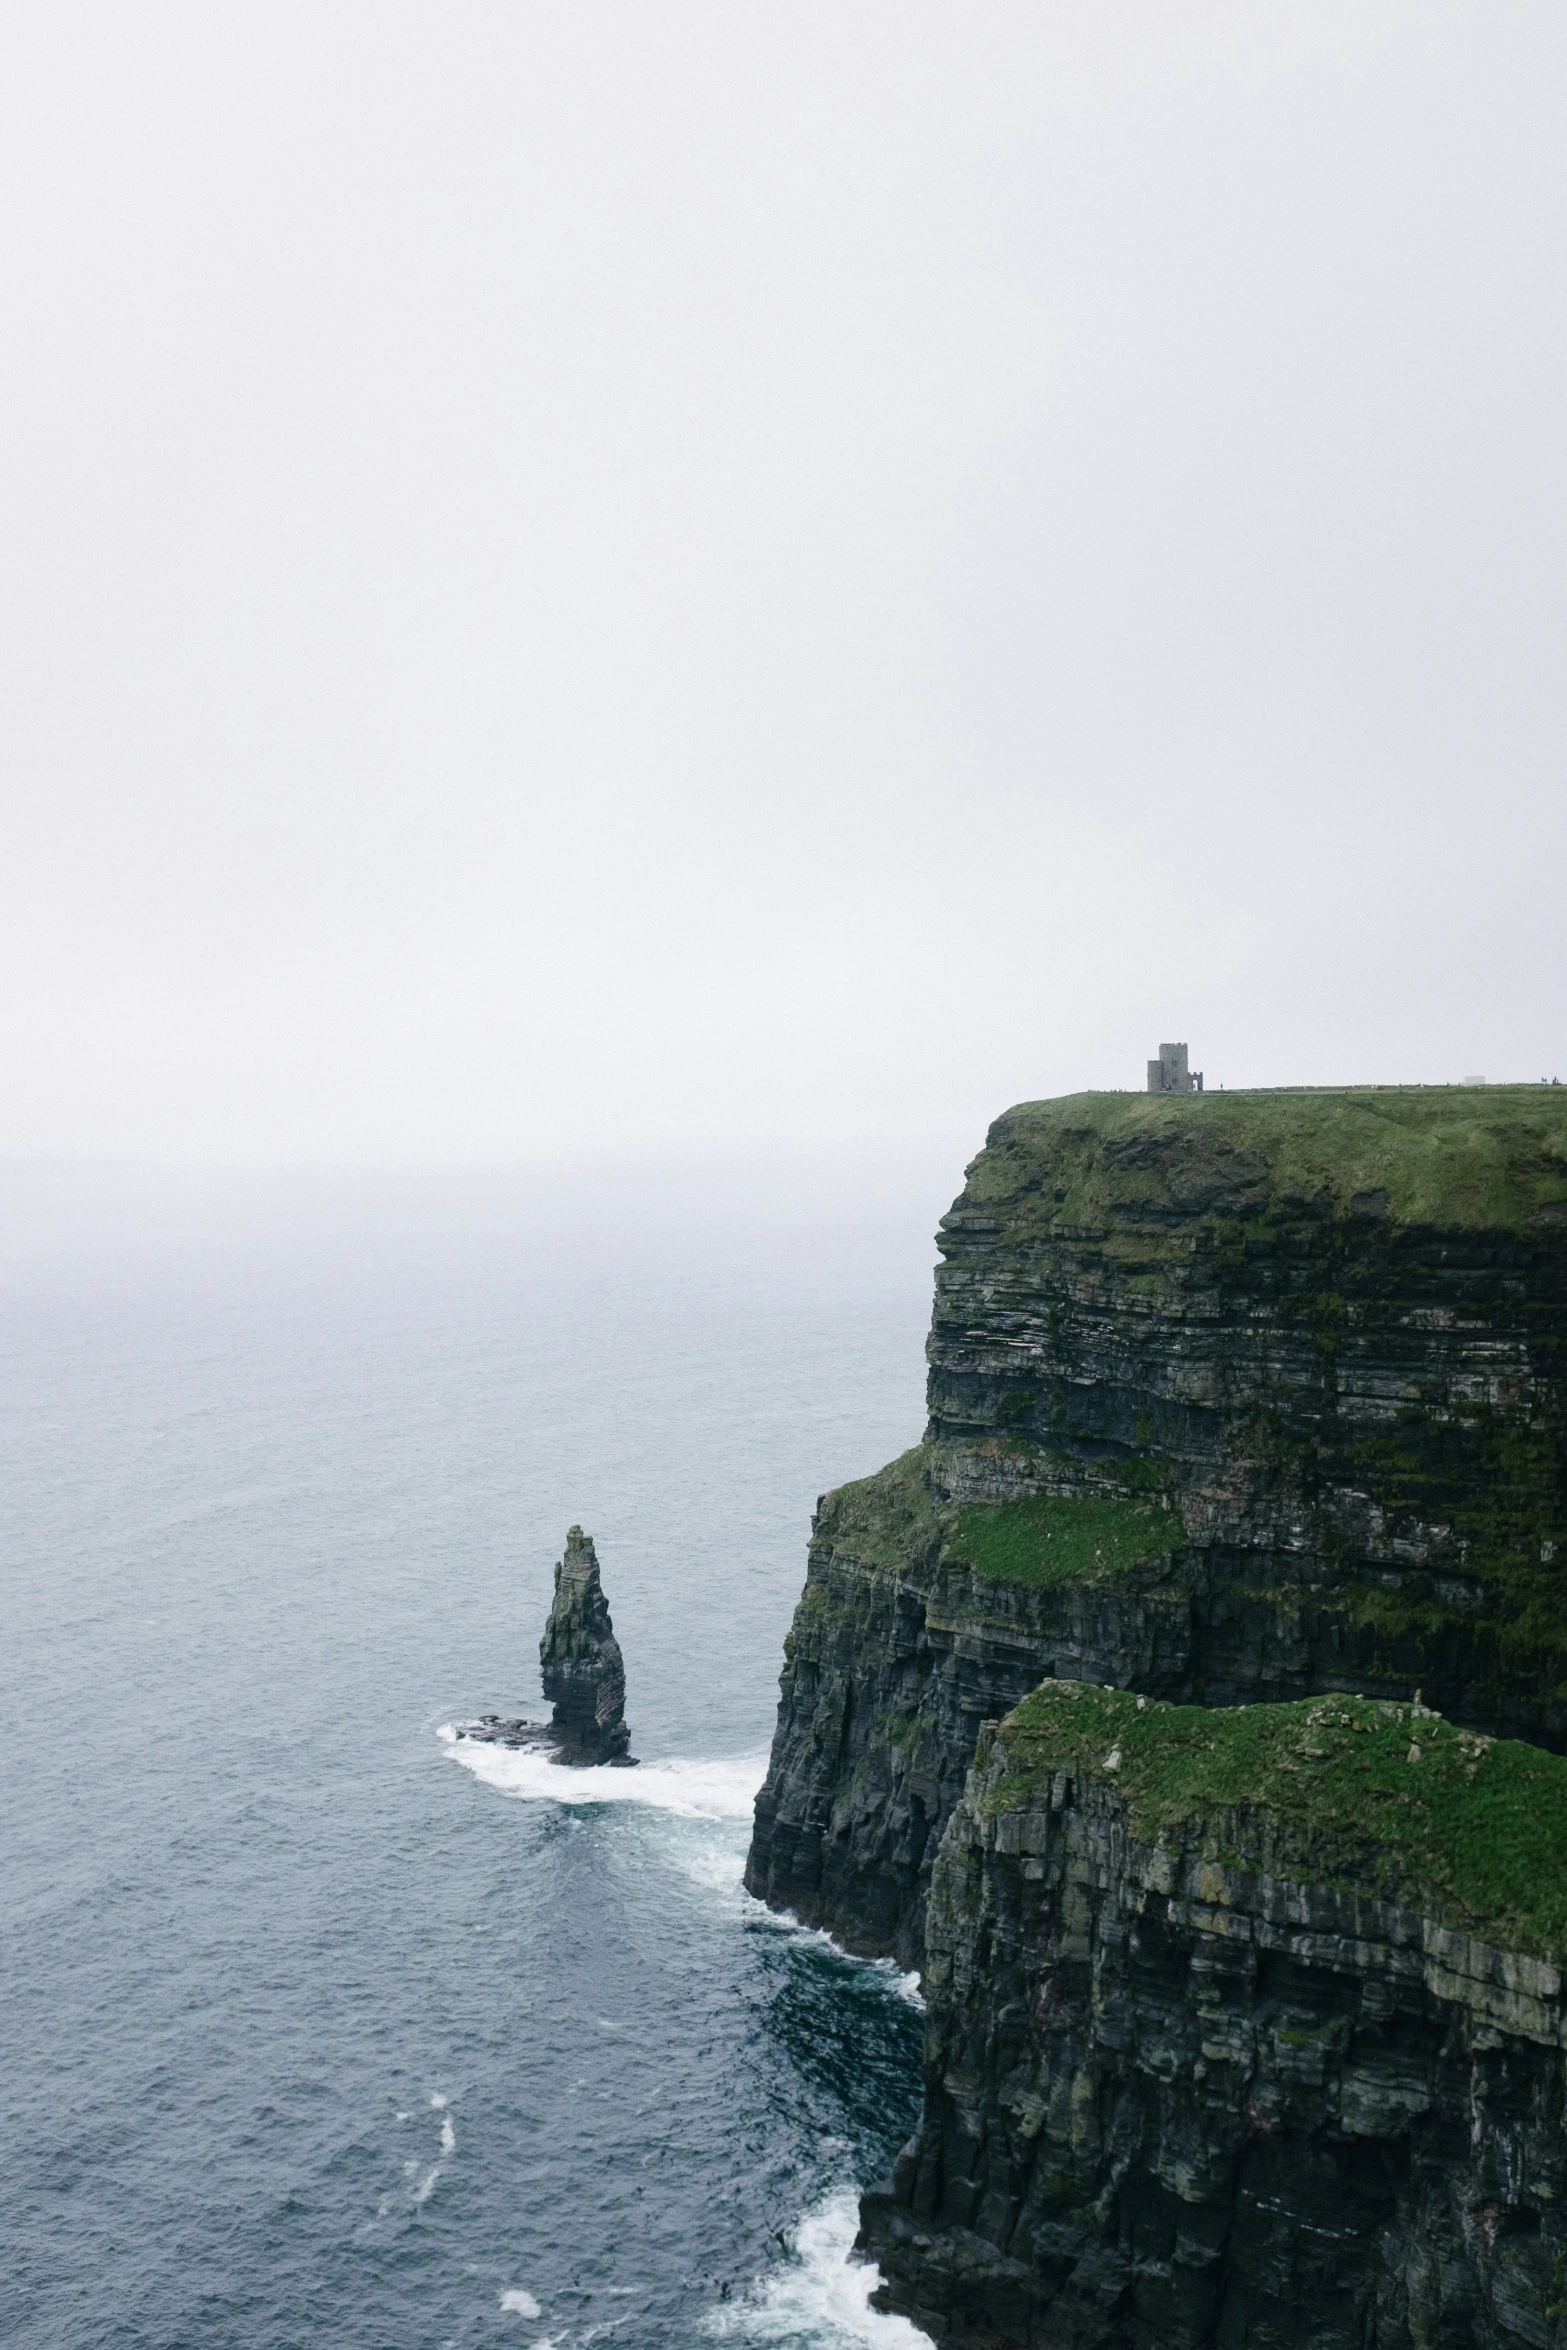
{"x":1244,"y":2026}
{"x":1233,"y":1398}
{"x":1241,"y":1406}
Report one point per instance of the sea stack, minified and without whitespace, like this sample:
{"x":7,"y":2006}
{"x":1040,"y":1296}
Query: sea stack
{"x":584,"y":1675}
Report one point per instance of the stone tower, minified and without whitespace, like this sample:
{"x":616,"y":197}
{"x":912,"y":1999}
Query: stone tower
{"x":1169,"y":1074}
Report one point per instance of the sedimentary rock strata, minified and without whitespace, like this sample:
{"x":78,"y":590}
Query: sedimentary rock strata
{"x":1237,"y":1402}
{"x":1205,"y":2066}
{"x":1298,"y":1362}
{"x":584,"y":1674}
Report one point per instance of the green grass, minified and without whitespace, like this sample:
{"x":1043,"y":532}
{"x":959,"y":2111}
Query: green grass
{"x":1047,"y":1540}
{"x":1472,"y":1832}
{"x":1392,"y":1615}
{"x":894,"y":1519}
{"x":887,"y":1519}
{"x":1492,"y":1157}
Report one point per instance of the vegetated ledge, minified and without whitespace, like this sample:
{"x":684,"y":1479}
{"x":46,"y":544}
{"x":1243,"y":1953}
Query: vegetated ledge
{"x":1242,"y":2026}
{"x":1329,"y":1329}
{"x":894,"y":1518}
{"x":1051,"y":1539}
{"x":899,"y":1517}
{"x":1232,"y":1399}
{"x":1375,"y":1798}
{"x":920,"y":1620}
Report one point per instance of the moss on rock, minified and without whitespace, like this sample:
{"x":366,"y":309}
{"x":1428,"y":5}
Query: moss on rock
{"x":1389,"y":1800}
{"x":888,"y":1519}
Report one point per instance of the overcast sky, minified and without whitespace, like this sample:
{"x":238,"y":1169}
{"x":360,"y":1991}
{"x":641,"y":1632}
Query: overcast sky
{"x":596,"y":580}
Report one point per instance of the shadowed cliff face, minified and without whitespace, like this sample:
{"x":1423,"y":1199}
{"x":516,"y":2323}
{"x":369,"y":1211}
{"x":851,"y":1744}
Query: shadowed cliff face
{"x":584,"y":1676}
{"x":1181,"y":2091}
{"x":1315,"y":1345}
{"x":1236,"y":1402}
{"x":896,"y":1656}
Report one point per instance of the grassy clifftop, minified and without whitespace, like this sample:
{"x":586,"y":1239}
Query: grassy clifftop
{"x":1388,"y":1799}
{"x":1449,"y":1157}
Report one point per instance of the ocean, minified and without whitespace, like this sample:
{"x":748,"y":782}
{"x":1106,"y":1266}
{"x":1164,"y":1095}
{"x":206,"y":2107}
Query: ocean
{"x":320,"y":2027}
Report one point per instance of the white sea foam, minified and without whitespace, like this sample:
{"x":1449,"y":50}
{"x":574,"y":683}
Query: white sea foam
{"x":717,"y":1864}
{"x":518,"y":2303}
{"x":783,"y":1921}
{"x":448,"y":2147}
{"x":691,"y":1790}
{"x":905,"y":1987}
{"x":820,"y":2296}
{"x":688,"y":1790}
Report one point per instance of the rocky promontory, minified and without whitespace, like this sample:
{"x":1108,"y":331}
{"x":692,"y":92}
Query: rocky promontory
{"x":1237,"y":1403}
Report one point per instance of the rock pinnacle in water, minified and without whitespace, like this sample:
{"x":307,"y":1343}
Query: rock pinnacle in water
{"x":584,"y":1675}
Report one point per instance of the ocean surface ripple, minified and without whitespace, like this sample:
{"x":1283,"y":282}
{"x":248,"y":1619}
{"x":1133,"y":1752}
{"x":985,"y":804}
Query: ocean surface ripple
{"x":311,"y":2036}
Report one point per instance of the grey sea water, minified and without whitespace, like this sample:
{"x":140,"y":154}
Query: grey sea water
{"x":318,"y":2028}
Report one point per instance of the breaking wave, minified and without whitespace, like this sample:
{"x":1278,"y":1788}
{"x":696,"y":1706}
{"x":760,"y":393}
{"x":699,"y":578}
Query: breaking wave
{"x":820,"y":2295}
{"x":691,"y":1790}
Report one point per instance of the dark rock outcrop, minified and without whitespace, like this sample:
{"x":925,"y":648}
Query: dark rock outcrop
{"x":897,"y":1654}
{"x":1330,"y":1329}
{"x":583,"y":1673}
{"x":1185,"y":2085}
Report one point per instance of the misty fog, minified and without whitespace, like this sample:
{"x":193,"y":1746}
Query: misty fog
{"x":603,"y":584}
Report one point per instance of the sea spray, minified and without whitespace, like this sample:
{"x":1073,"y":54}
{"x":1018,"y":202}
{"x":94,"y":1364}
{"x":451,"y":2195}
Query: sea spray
{"x":820,"y":2294}
{"x":722,"y":1790}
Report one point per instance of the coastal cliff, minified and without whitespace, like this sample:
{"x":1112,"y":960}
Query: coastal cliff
{"x":1240,"y":1405}
{"x":1242,"y":2026}
{"x":1233,"y":1398}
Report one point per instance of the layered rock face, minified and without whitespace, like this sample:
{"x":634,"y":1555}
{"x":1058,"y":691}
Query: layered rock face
{"x":1331,"y":1330}
{"x":1242,"y":1508}
{"x":1298,"y":1364}
{"x":1232,"y":2040}
{"x":584,"y":1676}
{"x":897,"y":1654}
